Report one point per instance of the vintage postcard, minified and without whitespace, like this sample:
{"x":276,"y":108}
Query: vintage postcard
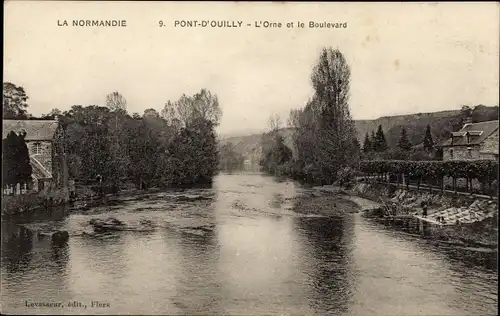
{"x":249,"y":158}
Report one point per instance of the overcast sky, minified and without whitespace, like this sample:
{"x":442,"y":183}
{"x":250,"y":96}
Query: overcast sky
{"x":404,"y":58}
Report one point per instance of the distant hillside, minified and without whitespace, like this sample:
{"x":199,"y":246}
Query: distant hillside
{"x":442,"y":124}
{"x":250,"y":145}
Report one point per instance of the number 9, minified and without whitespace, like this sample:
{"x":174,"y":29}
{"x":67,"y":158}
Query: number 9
{"x":161,"y":23}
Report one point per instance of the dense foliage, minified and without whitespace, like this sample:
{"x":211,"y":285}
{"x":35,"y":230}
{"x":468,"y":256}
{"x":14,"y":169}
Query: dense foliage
{"x":324,"y":140}
{"x":16,"y":167}
{"x":176,"y":148}
{"x":14,"y":102}
{"x":275,"y":154}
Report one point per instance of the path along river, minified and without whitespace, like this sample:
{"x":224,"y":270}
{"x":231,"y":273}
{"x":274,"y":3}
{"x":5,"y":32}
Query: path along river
{"x":237,"y":248}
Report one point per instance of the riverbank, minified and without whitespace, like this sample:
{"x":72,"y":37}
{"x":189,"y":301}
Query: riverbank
{"x":17,"y":205}
{"x":463,"y":221}
{"x":13,"y":205}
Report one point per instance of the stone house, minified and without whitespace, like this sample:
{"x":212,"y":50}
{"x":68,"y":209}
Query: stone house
{"x":473,"y":141}
{"x":46,"y":150}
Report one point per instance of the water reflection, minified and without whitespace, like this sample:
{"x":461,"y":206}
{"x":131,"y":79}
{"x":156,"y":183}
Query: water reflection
{"x":259,"y":260}
{"x":198,"y":287}
{"x":397,"y":274}
{"x":17,"y":246}
{"x":33,"y":268}
{"x":329,"y":244}
{"x":60,"y":255}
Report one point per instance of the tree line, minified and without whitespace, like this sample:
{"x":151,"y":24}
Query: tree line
{"x":174,"y":148}
{"x":325,"y":148}
{"x":375,"y":146}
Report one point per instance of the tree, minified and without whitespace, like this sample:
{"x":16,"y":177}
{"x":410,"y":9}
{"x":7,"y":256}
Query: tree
{"x":14,"y":102}
{"x":143,"y":153}
{"x":88,"y":143}
{"x":275,"y":153}
{"x":52,"y":115}
{"x":380,"y":143}
{"x":404,"y":142}
{"x":367,"y":144}
{"x":116,"y":102}
{"x":25,"y":169}
{"x":466,"y":111}
{"x":324,"y":138}
{"x":151,"y":113}
{"x":330,"y":80}
{"x":10,"y":159}
{"x":194,"y":156}
{"x":294,"y":118}
{"x":203,"y":105}
{"x":274,"y":122}
{"x":16,"y":167}
{"x":230,"y":159}
{"x":428,"y":142}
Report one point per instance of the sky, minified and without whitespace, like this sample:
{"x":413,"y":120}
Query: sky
{"x":404,"y":57}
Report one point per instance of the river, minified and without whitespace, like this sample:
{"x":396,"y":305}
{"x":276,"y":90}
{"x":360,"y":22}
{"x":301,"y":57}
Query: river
{"x":237,"y":248}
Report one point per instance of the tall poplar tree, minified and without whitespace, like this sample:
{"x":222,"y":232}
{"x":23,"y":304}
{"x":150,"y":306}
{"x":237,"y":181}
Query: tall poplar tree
{"x":331,"y":81}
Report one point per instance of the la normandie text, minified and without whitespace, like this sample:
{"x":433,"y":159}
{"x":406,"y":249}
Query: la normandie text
{"x":93,"y":23}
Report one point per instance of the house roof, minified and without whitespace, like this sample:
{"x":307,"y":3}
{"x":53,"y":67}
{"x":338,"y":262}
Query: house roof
{"x":480,"y":131}
{"x":35,"y":129}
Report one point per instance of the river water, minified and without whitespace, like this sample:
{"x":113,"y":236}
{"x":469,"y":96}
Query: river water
{"x":236,"y":248}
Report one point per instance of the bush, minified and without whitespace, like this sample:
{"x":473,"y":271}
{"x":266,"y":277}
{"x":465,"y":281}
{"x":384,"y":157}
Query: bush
{"x":346,"y":176}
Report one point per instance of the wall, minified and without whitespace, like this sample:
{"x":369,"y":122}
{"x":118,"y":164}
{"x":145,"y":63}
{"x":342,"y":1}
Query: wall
{"x":490,"y":146}
{"x":461,"y":153}
{"x":60,"y":167}
{"x":45,"y":158}
{"x":487,"y":150}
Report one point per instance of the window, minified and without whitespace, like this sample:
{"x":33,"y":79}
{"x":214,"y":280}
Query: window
{"x":37,"y":149}
{"x":451,"y":153}
{"x":469,"y":152}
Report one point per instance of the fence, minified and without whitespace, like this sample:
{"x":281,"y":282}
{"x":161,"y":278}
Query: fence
{"x":19,"y":189}
{"x":471,"y":176}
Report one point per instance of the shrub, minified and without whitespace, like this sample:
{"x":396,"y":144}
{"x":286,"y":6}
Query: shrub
{"x":346,"y":176}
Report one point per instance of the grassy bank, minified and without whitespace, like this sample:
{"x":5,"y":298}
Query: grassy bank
{"x":324,"y":203}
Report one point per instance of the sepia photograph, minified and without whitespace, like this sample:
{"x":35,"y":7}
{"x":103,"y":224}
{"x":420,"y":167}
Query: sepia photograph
{"x":250,"y":158}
